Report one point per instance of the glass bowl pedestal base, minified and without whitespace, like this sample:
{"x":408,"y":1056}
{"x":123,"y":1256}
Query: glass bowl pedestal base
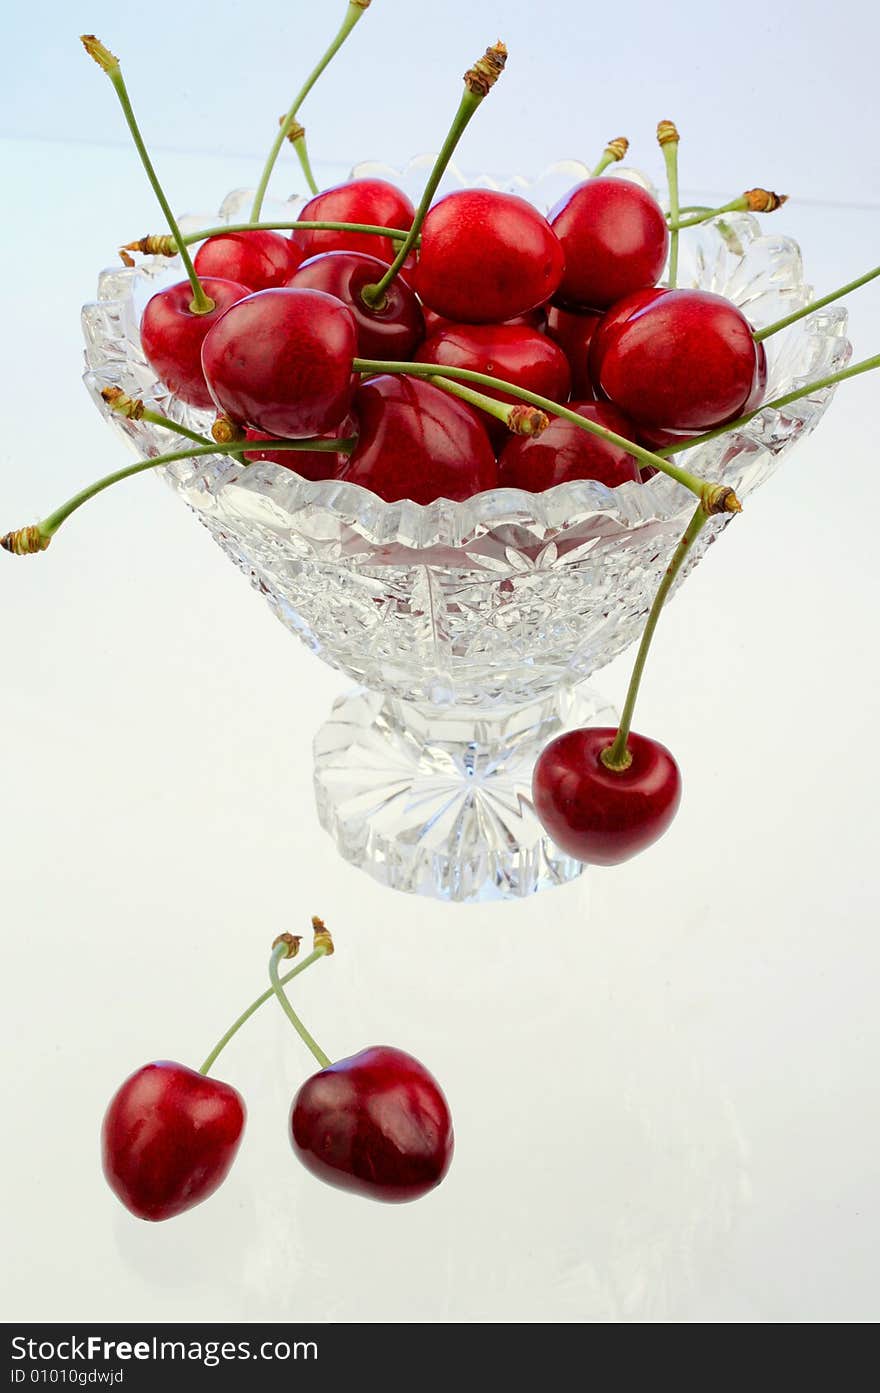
{"x":439,"y":802}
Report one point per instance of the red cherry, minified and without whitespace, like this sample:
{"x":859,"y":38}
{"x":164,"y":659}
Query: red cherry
{"x":258,"y":258}
{"x":573,"y":331}
{"x":684,"y":361}
{"x":605,"y":331}
{"x":391,"y":332}
{"x":309,"y":464}
{"x":280,"y":361}
{"x":513,"y":352}
{"x":172,"y":336}
{"x":372,"y":201}
{"x":563,"y":452}
{"x":376,"y":1123}
{"x":486,"y":257}
{"x":599,"y":815}
{"x":433,"y":322}
{"x":615,"y":240}
{"x":417,"y":442}
{"x":169,"y":1138}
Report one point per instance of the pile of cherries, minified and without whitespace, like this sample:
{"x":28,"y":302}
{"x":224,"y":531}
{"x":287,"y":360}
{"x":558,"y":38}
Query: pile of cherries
{"x":566,"y":307}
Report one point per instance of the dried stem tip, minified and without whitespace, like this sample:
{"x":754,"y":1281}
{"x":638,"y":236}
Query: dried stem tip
{"x":291,"y":941}
{"x":486,"y":71}
{"x":224,"y":430}
{"x":763,"y":200}
{"x":122,"y":403}
{"x":25,"y":542}
{"x":154,"y":244}
{"x":527,"y":420}
{"x":102,"y":56}
{"x":667,"y":132}
{"x":617,"y":147}
{"x":721,"y":499}
{"x":296,"y":131}
{"x":361,"y":4}
{"x":322,"y":935}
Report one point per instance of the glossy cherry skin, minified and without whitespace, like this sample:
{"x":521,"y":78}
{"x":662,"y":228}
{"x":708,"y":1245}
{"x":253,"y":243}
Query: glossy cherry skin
{"x":172,"y":336}
{"x":376,"y":1123}
{"x":615,"y":240}
{"x":372,"y":201}
{"x":309,"y":464}
{"x":280,"y":361}
{"x":573,"y":330}
{"x":169,"y":1138}
{"x":433,"y":322}
{"x":415,"y":441}
{"x":515,"y":352}
{"x":390,"y":332}
{"x":564,"y":452}
{"x":486,"y":257}
{"x":684,"y":361}
{"x":599,"y":815}
{"x":258,"y":258}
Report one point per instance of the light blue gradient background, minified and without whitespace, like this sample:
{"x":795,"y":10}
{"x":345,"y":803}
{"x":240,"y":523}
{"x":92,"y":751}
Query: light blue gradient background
{"x":664,"y":1077}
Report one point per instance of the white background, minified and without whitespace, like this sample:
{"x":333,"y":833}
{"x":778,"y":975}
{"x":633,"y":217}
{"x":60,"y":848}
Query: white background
{"x":664,"y":1076}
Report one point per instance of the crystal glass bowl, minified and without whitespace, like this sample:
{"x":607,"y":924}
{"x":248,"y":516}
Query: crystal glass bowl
{"x":468,"y":627}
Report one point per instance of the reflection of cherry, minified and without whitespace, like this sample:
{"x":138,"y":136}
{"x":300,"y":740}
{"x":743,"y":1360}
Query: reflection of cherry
{"x":683,"y":361}
{"x":416,"y":442}
{"x":371,"y":201}
{"x":280,"y":361}
{"x":486,"y":257}
{"x":615,"y":240}
{"x":172,"y":335}
{"x":602,"y":815}
{"x":563,"y":452}
{"x":256,"y":258}
{"x":515,"y":352}
{"x":391,"y":331}
{"x":170,"y":1136}
{"x":376,"y":1123}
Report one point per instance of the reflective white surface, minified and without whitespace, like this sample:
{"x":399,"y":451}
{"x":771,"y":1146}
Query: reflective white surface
{"x":663,"y":1076}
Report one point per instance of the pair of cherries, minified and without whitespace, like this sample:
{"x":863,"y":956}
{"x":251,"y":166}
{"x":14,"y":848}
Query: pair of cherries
{"x":275,"y":355}
{"x":376,"y":1123}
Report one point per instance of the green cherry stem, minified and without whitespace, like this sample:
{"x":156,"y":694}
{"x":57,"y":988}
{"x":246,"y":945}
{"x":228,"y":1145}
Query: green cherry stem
{"x":255,"y":1005}
{"x":614,"y":150}
{"x":354,"y":12}
{"x":519,"y":418}
{"x":306,"y":225}
{"x":279,"y":952}
{"x":752,"y":201}
{"x":26,"y":541}
{"x":667,"y":135}
{"x":816,"y":305}
{"x":109,"y":63}
{"x":133,"y":409}
{"x":617,"y":756}
{"x":305,"y":164}
{"x":715,"y":498}
{"x":866,"y":365}
{"x":478,"y":82}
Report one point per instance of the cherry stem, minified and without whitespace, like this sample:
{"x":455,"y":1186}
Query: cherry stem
{"x":320,"y":226}
{"x":701,"y":215}
{"x":201,"y":302}
{"x":278,"y":953}
{"x":617,"y":756}
{"x":708,"y":493}
{"x":669,"y":145}
{"x":302,"y":154}
{"x":255,"y":1005}
{"x":816,"y":305}
{"x":614,"y":151}
{"x":520,"y":419}
{"x":41,"y":533}
{"x":474,"y":94}
{"x":867,"y":365}
{"x":354,"y":12}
